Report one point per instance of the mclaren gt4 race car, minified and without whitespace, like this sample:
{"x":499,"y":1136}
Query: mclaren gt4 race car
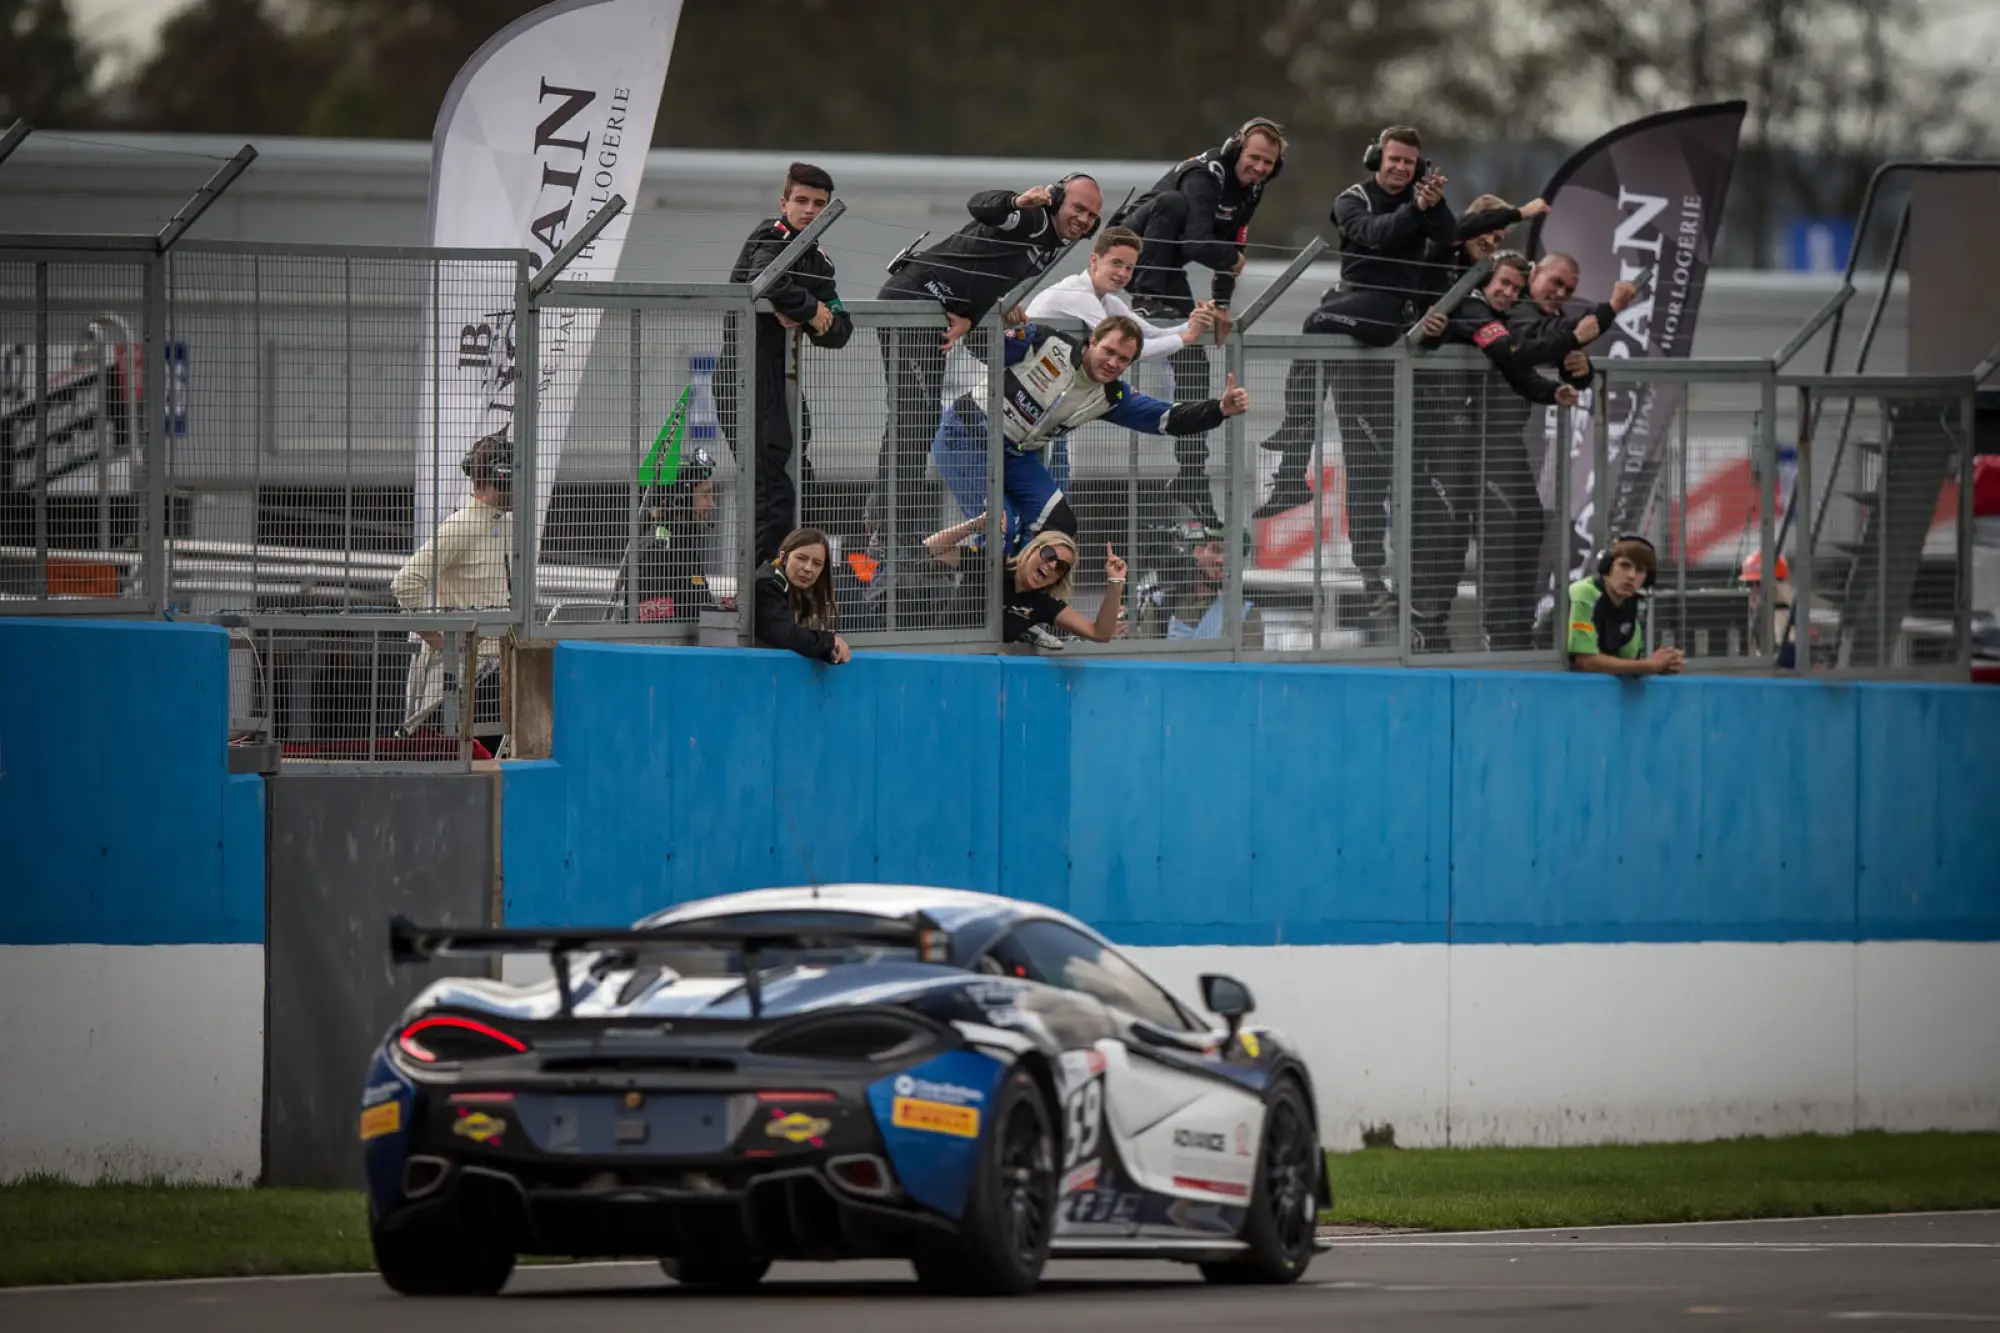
{"x":973,"y":1083}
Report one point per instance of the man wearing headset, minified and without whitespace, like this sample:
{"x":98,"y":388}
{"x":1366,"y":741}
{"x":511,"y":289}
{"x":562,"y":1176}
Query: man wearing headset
{"x":1388,"y":225}
{"x":466,"y":565}
{"x":1199,"y":213}
{"x":1606,"y":630}
{"x":1011,"y":236}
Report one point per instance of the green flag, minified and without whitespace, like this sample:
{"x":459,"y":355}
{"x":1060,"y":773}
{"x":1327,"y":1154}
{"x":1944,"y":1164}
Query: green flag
{"x":656,"y":471}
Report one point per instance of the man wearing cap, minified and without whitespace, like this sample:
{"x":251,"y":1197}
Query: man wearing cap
{"x":1194,"y":610}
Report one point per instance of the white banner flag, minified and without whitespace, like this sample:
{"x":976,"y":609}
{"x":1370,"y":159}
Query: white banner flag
{"x":548,"y":120}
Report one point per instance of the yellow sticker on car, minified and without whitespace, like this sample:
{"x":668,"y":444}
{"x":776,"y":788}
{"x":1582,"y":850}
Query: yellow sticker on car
{"x":379,"y":1120}
{"x":935,"y":1117}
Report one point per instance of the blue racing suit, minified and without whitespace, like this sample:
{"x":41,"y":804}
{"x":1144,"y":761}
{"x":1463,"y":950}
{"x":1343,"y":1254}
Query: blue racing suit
{"x":1045,"y":395}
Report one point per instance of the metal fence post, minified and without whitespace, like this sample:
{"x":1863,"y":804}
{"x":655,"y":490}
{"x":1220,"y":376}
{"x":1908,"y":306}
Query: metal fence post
{"x":1561,"y":525}
{"x":744,"y":391}
{"x":159,"y":584}
{"x":1235,"y":443}
{"x":1798,"y":627}
{"x":1766,"y":446}
{"x":1962,"y":598}
{"x":1399,"y":526}
{"x":996,"y":479}
{"x":527,"y":397}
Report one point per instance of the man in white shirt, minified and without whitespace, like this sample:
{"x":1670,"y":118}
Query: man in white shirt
{"x":1096,"y":294}
{"x":1099,"y":292}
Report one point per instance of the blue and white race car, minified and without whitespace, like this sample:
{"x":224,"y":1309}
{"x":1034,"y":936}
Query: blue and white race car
{"x":970,"y":1082}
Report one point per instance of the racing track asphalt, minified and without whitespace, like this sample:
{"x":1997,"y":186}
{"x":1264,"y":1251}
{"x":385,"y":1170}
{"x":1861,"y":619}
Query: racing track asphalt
{"x":1908,"y":1271}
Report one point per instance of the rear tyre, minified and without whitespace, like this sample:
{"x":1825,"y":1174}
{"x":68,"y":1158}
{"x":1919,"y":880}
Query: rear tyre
{"x":1284,"y":1210}
{"x":1003,"y":1243}
{"x":438,"y":1260}
{"x":716,"y":1272}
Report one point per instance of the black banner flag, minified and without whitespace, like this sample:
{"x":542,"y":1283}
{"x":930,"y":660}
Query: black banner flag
{"x":1643,"y":203}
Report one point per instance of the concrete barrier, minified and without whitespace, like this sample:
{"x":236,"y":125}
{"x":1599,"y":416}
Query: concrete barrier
{"x":1497,"y":907}
{"x":131,"y":907}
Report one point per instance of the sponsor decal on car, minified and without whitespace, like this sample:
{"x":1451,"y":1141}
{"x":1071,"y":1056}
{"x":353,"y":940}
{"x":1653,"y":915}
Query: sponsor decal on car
{"x":377,"y":1093}
{"x":479,"y":1127}
{"x":1251,"y":1046}
{"x":955,"y":1093}
{"x":1203,"y":1140}
{"x":1099,"y":1206}
{"x":797,"y":1127}
{"x":1242,"y":1139}
{"x":385,"y":1118}
{"x":935,"y":1117}
{"x":1224,"y":1187}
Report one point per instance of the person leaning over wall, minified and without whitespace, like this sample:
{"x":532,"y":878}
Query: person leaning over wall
{"x":1036,"y":595}
{"x":795,"y":603}
{"x":1607,"y":632}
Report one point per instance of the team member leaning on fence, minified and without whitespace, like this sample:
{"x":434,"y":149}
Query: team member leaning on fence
{"x":1388,"y":224}
{"x":1036,"y":594}
{"x":804,"y":298}
{"x":1472,"y":480}
{"x":795,"y":604}
{"x":1092,"y":296}
{"x":466,"y":565}
{"x":1607,"y":630}
{"x":1012,"y":235}
{"x":1054,"y":383}
{"x":1199,"y":213}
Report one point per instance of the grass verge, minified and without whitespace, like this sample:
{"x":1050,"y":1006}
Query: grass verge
{"x":55,"y":1232}
{"x":52,"y":1231}
{"x":1460,"y":1189}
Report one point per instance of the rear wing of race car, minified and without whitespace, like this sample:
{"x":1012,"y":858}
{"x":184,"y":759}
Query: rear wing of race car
{"x":411,"y":943}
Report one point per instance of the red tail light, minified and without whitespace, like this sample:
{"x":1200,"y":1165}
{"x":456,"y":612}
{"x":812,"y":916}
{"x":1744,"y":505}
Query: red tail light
{"x":449,"y":1037}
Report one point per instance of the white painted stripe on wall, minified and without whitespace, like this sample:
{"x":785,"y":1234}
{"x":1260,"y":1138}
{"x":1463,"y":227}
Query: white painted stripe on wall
{"x":1589,"y":1043}
{"x":132,"y":1062}
{"x":1928,"y":1035}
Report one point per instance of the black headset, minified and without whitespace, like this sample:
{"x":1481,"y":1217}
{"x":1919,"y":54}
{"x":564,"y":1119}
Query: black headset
{"x":1372,"y":159}
{"x":1243,"y":132}
{"x":490,"y":461}
{"x":1604,"y":558}
{"x":1056,"y":192}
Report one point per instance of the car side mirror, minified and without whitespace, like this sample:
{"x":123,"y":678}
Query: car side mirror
{"x":1226,"y":997}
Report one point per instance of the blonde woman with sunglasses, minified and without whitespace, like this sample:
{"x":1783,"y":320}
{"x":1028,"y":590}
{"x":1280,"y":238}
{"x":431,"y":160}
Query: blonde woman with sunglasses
{"x":1038,"y":591}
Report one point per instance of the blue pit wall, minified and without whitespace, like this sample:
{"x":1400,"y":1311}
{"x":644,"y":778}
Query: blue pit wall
{"x":120,"y":822}
{"x":1166,"y":803}
{"x":1183,"y":803}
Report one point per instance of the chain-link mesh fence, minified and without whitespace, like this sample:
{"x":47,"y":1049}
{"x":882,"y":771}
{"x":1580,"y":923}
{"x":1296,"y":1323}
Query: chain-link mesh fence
{"x":1888,"y":486}
{"x":366,"y":689}
{"x":1691,"y":463}
{"x":649,"y":495}
{"x":1375,"y":504}
{"x":75,"y":487}
{"x":305,"y":428}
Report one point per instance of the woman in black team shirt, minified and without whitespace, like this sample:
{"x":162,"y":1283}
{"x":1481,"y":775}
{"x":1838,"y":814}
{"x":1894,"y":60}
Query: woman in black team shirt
{"x":795,"y":606}
{"x":1038,"y":589}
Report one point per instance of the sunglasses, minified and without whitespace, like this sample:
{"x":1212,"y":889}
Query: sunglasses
{"x":1049,"y":557}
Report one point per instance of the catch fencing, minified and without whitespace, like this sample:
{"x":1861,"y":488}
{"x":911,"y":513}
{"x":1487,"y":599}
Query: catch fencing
{"x":240,"y":431}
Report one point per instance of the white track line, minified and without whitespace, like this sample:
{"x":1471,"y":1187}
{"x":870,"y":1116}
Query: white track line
{"x":1614,"y":1247}
{"x":1676,"y":1226}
